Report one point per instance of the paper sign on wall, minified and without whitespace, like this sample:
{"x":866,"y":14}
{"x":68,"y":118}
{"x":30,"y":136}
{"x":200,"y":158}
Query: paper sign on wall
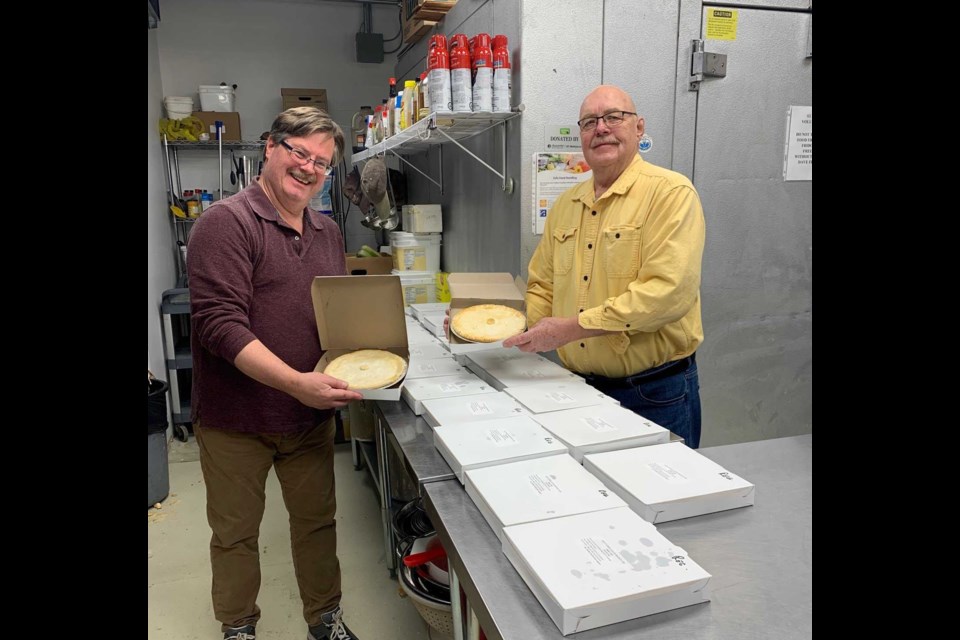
{"x":561,"y":137}
{"x":798,"y":149}
{"x":721,"y":24}
{"x":554,"y":173}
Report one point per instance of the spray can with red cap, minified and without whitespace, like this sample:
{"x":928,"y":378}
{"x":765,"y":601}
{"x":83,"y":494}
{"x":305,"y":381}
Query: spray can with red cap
{"x":438,"y":74}
{"x":461,"y":84}
{"x":482,"y":66}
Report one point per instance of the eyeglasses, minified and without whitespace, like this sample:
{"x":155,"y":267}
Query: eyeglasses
{"x":302,"y":158}
{"x":613,"y":119}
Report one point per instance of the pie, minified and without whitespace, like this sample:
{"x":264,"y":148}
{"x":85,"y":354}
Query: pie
{"x":368,"y":368}
{"x":488,"y":323}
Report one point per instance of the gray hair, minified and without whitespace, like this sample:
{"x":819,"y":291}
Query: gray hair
{"x":300,"y":122}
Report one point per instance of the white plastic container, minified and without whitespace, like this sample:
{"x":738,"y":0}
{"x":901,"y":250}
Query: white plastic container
{"x":216,"y":97}
{"x":178,"y":107}
{"x":415,"y":251}
{"x":418,"y":286}
{"x":431,"y":243}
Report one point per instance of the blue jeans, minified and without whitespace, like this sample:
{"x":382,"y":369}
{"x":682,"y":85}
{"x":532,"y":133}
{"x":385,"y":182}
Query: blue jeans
{"x":672,"y":401}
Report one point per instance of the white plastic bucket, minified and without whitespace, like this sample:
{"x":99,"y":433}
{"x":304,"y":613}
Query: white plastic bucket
{"x":216,"y":97}
{"x":415,"y":251}
{"x":178,"y":107}
{"x":418,"y":287}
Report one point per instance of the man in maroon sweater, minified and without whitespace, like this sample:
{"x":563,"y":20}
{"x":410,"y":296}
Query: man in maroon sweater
{"x":257,"y":403}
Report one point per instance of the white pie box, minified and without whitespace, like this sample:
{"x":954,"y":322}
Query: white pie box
{"x":513,"y":371}
{"x":461,"y":384}
{"x":418,"y":309}
{"x":418,"y":335}
{"x":594,"y":569}
{"x":470,"y":409}
{"x":538,"y":489}
{"x":599,"y":428}
{"x":671,"y":481}
{"x":360,"y":313}
{"x":433,"y":367}
{"x":493,"y":442}
{"x":542,"y":397}
{"x":469,"y":289}
{"x":433,"y":323}
{"x":429,"y":349}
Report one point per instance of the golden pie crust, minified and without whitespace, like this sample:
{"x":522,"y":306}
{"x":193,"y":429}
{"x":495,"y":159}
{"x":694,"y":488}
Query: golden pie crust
{"x":488,"y":323}
{"x":368,"y":368}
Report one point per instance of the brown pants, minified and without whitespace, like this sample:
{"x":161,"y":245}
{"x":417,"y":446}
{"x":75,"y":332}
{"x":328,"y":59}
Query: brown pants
{"x":235,"y":467}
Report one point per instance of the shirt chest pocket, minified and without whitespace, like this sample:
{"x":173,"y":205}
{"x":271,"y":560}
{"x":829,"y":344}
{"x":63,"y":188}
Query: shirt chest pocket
{"x":564,"y":250}
{"x":621,"y":251}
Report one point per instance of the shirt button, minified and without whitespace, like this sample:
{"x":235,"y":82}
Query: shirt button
{"x":582,"y":345}
{"x":590,"y":246}
{"x":296,"y":237}
{"x":584,"y":277}
{"x":593,"y":213}
{"x":628,"y":326}
{"x":617,"y":236}
{"x":581,"y":311}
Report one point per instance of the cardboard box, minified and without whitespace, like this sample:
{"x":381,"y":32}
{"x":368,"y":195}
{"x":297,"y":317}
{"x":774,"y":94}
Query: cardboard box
{"x":493,"y":442}
{"x":432,"y":367}
{"x":418,"y":310}
{"x":595,"y":569}
{"x":468,"y":289}
{"x":534,"y":490}
{"x":470,"y":409}
{"x":429,"y":349}
{"x":304,"y":98}
{"x":517,"y":370}
{"x":459,"y":384}
{"x":422,"y":218}
{"x":360,"y":313}
{"x":601,"y":427}
{"x":230,"y":120}
{"x":671,"y":481}
{"x":369,"y":266}
{"x":539,"y":398}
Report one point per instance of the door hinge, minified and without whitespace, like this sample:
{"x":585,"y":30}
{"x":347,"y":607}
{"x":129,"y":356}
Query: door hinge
{"x":703,"y":63}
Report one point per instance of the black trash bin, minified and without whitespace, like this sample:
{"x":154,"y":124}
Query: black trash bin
{"x":158,"y":474}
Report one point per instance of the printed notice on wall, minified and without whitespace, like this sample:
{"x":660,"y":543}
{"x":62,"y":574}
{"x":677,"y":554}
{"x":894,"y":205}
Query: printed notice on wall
{"x":798,"y":149}
{"x":562,"y":137}
{"x":721,"y":24}
{"x":554,"y":173}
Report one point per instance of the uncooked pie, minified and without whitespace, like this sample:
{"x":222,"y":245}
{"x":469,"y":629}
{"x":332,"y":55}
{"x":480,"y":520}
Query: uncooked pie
{"x":368,"y":368}
{"x":488,"y":323}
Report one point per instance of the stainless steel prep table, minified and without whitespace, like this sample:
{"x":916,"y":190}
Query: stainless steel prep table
{"x":761,"y":559}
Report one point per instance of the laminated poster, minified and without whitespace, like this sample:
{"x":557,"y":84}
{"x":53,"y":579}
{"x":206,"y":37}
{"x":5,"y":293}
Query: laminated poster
{"x":554,"y":173}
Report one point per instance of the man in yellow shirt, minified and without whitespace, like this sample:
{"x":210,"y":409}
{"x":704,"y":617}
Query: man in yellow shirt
{"x":614,"y":285}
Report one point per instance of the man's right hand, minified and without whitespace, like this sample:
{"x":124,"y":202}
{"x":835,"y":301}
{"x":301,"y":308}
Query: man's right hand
{"x":320,"y":391}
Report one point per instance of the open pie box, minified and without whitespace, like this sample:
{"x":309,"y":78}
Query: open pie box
{"x":361,"y":313}
{"x":468,"y":289}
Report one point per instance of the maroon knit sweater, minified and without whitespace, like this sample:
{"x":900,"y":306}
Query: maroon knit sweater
{"x":249,"y":276}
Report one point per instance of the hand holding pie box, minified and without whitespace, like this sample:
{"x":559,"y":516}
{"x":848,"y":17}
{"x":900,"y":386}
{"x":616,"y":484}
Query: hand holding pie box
{"x":498,"y":301}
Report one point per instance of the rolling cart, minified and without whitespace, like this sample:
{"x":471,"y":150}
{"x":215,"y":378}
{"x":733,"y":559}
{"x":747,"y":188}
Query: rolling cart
{"x":175,"y":311}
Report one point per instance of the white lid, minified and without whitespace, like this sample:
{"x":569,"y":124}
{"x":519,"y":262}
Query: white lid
{"x":215,"y":88}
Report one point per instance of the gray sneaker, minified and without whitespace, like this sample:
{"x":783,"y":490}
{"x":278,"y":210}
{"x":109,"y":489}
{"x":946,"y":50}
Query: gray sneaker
{"x":246,"y":632}
{"x":331,"y":627}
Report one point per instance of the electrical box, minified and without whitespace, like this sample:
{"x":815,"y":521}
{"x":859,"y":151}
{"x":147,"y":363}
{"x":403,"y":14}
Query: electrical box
{"x":370,"y":47}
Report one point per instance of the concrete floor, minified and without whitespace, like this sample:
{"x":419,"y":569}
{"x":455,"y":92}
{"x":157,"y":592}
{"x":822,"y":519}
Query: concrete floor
{"x":178,"y":560}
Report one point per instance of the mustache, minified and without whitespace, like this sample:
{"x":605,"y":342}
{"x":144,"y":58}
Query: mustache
{"x":305,"y":177}
{"x":598,"y":141}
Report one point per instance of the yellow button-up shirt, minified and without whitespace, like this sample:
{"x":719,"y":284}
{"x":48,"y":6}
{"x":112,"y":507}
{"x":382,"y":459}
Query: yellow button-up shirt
{"x":628,"y":262}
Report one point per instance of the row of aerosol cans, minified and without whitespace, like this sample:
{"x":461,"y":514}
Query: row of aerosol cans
{"x":470,"y":75}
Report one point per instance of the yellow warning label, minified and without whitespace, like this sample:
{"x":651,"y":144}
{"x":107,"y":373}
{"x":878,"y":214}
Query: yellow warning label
{"x":721,"y":24}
